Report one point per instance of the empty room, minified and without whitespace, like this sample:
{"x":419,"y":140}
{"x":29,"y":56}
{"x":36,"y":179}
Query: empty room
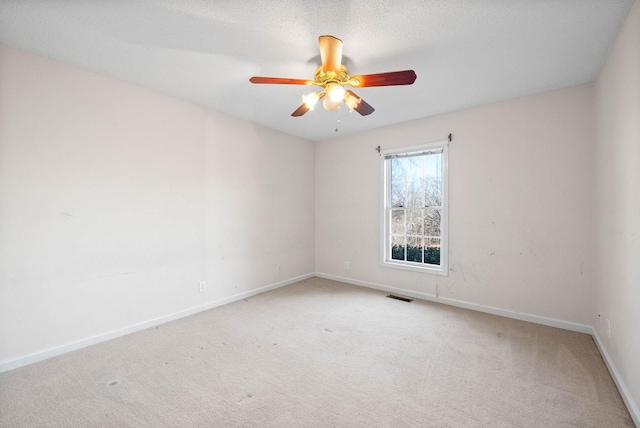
{"x":349,"y":213}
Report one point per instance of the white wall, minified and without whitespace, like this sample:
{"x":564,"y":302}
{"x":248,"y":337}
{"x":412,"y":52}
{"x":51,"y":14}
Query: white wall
{"x":260,"y":205}
{"x":617,"y":190}
{"x":520,"y":205}
{"x":116,"y":201}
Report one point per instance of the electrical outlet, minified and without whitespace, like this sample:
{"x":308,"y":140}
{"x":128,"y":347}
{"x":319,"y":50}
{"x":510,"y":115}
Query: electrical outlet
{"x":346,"y":265}
{"x":202,"y":286}
{"x":608,"y":328}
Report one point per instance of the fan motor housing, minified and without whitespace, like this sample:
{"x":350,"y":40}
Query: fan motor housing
{"x":323,"y":78}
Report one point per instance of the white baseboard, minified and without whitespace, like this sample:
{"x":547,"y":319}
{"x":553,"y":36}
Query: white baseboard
{"x":54,"y":352}
{"x":552,"y":322}
{"x":624,"y":392}
{"x":566,"y":325}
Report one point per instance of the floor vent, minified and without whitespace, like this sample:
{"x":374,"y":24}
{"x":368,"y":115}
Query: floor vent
{"x":404,"y":299}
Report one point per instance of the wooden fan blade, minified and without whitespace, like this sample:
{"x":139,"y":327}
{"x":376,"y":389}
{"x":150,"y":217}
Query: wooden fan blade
{"x":305,"y":107}
{"x":331,"y":53}
{"x":405,"y":77}
{"x":280,"y":81}
{"x":301,"y":110}
{"x":358,"y":104}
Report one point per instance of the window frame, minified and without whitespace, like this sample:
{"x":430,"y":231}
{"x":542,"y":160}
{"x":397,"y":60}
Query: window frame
{"x":385,"y":248}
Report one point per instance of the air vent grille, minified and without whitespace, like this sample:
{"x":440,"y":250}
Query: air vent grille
{"x":404,"y":299}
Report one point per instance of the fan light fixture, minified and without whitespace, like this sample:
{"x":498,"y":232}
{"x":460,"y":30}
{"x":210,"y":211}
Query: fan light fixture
{"x":336,"y":92}
{"x":333,"y":76}
{"x":310,"y":100}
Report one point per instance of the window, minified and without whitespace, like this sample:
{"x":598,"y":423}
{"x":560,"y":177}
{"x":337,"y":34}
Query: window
{"x":414,"y":203}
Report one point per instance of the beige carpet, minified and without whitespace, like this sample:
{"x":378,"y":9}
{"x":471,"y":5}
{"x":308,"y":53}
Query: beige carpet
{"x":326,"y":354}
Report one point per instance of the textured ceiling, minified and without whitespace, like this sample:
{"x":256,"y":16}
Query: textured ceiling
{"x":465,"y":52}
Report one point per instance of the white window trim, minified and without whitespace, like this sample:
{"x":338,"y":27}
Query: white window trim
{"x":443,"y":269}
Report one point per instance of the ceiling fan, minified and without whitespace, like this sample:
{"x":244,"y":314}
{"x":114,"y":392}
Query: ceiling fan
{"x":332,"y":76}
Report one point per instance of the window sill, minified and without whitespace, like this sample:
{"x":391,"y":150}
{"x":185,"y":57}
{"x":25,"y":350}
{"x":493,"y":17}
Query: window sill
{"x":431,"y":269}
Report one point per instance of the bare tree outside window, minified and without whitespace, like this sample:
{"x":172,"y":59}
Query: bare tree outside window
{"x":416,"y":208}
